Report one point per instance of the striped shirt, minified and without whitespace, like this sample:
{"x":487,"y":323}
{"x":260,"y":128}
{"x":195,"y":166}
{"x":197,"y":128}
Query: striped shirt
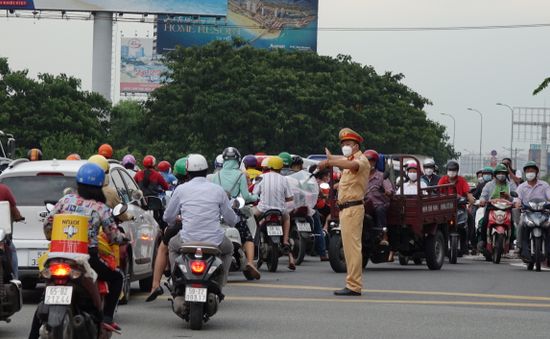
{"x":273,"y":190}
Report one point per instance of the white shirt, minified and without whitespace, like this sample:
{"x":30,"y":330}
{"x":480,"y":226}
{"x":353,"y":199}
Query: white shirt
{"x":411,"y":188}
{"x":273,"y":191}
{"x":200,"y":204}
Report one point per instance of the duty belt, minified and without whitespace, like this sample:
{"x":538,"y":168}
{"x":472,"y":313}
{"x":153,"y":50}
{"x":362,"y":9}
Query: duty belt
{"x":350,"y":204}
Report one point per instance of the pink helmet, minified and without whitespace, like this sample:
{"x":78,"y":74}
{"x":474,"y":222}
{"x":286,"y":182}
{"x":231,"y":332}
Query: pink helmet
{"x":128,"y":160}
{"x":411,"y":164}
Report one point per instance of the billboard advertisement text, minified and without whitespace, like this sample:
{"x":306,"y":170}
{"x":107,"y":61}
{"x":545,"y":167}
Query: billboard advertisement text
{"x":139,"y":71}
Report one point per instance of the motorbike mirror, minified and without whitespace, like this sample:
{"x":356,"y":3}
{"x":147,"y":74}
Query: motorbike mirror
{"x":137,"y":195}
{"x":119,"y":209}
{"x":238,"y":203}
{"x":513,"y":194}
{"x":49,"y":207}
{"x":68,"y":190}
{"x":324,"y":186}
{"x":174,"y":182}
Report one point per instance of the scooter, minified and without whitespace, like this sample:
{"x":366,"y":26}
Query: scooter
{"x":11,"y":297}
{"x":238,"y":263}
{"x":269,"y":239}
{"x":499,"y":229}
{"x":458,"y":232}
{"x":301,"y":233}
{"x":536,"y":219}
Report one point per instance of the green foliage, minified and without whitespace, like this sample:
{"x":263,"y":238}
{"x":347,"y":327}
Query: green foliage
{"x":542,"y":86}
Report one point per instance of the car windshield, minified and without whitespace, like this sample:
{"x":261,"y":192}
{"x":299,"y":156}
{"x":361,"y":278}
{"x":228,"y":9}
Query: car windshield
{"x":34,"y":191}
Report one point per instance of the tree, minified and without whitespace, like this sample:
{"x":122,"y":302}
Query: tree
{"x":542,"y":86}
{"x":126,"y":128}
{"x":259,"y":100}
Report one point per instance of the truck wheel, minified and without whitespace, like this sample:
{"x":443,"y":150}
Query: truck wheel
{"x":336,"y":254}
{"x":196,"y":316}
{"x":498,"y":244}
{"x":453,"y":249}
{"x":435,"y":250}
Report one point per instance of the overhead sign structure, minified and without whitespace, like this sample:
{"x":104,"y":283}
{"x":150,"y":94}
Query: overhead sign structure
{"x":140,"y":72}
{"x":263,"y":23}
{"x":181,"y":7}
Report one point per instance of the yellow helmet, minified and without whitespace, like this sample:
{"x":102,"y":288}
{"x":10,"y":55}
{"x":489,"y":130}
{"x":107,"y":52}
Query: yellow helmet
{"x":101,"y":161}
{"x":275,"y":163}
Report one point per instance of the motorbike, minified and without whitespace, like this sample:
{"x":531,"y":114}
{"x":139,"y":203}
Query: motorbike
{"x":11,"y":297}
{"x":370,"y":249}
{"x":66,"y":309}
{"x":458,"y":232}
{"x":536,"y":219}
{"x":238,"y":263}
{"x":499,"y":229}
{"x":269,"y":239}
{"x":301,"y":233}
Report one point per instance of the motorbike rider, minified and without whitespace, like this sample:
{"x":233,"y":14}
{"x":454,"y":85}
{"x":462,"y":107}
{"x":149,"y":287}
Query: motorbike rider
{"x":7,"y":195}
{"x":429,"y":177}
{"x":34,"y":154}
{"x":200,"y":203}
{"x":129,"y":162}
{"x":487,"y":176}
{"x":274,"y":191}
{"x":287,"y":161}
{"x":234,"y":183}
{"x":106,"y":150}
{"x":250,"y":163}
{"x":531,"y":189}
{"x":410,"y":186}
{"x":461,"y":187}
{"x":164,"y":168}
{"x":153,"y":185}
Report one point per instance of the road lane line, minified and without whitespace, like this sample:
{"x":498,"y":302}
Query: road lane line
{"x":430,"y":293}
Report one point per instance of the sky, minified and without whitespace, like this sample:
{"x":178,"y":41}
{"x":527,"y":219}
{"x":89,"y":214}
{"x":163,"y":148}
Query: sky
{"x":453,"y":69}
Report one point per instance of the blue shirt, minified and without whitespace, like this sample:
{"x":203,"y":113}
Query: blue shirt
{"x":233,"y":181}
{"x":170,"y":179}
{"x":200,"y":204}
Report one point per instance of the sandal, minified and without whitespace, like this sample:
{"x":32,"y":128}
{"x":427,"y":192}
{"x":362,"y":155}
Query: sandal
{"x":292,"y":266}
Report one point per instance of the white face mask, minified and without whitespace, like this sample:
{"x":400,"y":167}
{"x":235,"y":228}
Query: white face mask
{"x":347,"y":150}
{"x":487,"y":177}
{"x":480,"y":179}
{"x":452,"y":174}
{"x":413,"y":176}
{"x":501,"y":177}
{"x":531,"y":176}
{"x":429,"y":171}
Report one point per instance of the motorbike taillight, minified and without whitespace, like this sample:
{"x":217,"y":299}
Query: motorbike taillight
{"x":273,"y":218}
{"x":197,"y":266}
{"x":60,"y":270}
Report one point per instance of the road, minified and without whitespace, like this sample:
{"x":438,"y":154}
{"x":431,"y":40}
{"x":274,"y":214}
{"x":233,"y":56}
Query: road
{"x":473,"y":299}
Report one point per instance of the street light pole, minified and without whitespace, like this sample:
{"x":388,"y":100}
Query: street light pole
{"x":480,"y":135}
{"x":511,"y":128}
{"x":454,"y":127}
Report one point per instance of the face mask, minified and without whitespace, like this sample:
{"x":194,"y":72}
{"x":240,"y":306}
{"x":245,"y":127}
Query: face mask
{"x":487,"y":177}
{"x":530,"y":176}
{"x":452,"y":174}
{"x":480,"y":179}
{"x":347,"y":150}
{"x":429,"y":171}
{"x":413,"y":176}
{"x":501,"y":177}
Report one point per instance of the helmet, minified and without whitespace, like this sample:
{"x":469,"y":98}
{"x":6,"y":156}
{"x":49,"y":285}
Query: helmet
{"x":34,"y":154}
{"x":180,"y":167}
{"x":429,"y":163}
{"x":231,"y":153}
{"x":275,"y":163}
{"x":501,"y":168}
{"x":479,"y":171}
{"x":128,"y":159}
{"x":164,"y":166}
{"x":487,"y":169}
{"x":106,"y":150}
{"x":411,"y":165}
{"x":100,"y":161}
{"x":452,"y":165}
{"x":218,"y":162}
{"x":286,"y":157}
{"x":531,"y":164}
{"x":297,"y":161}
{"x":250,"y":161}
{"x":90,"y":174}
{"x":371,"y":154}
{"x":265,"y":162}
{"x":196,"y":163}
{"x":73,"y":156}
{"x":149,"y":161}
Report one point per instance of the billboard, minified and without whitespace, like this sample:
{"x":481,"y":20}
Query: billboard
{"x":189,"y":7}
{"x":140,"y":72}
{"x":289,"y":24}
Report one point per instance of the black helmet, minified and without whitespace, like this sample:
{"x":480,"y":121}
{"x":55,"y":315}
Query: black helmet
{"x":452,"y":166}
{"x":297,"y":160}
{"x":231,"y":153}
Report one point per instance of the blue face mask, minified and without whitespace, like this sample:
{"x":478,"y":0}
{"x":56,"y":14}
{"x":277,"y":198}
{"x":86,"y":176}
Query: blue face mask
{"x":487,"y":177}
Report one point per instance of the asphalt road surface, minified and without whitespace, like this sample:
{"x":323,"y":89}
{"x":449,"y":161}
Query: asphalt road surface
{"x":473,"y":299}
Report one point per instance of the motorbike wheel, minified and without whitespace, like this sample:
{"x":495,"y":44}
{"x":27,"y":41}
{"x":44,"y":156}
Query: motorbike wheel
{"x":336,"y":254}
{"x":453,"y":248}
{"x":498,"y":248}
{"x":538,"y":253}
{"x":435,"y":251}
{"x":272,"y":259}
{"x":298,"y":246}
{"x":530,"y":266}
{"x":125,"y":296}
{"x":196,"y":316}
{"x":65,"y":330}
{"x":403,"y":260}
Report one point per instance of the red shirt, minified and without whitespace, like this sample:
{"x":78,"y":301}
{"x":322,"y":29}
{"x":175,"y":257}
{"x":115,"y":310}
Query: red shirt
{"x":154,"y":178}
{"x":7,"y":195}
{"x":461,"y":185}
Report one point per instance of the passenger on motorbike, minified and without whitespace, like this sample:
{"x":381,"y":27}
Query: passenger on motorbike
{"x":153,"y":185}
{"x":7,"y":195}
{"x":287,"y":161}
{"x":165,"y":168}
{"x":410,"y":186}
{"x":531,"y":189}
{"x":429,"y":177}
{"x":514,"y":175}
{"x":234,"y":183}
{"x":250,"y":164}
{"x":200,"y":204}
{"x":274,"y":191}
{"x":487,"y":176}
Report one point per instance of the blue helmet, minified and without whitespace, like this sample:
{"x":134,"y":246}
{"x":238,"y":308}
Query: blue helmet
{"x":90,"y":174}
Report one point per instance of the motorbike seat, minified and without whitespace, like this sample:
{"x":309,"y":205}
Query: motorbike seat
{"x":206,"y":248}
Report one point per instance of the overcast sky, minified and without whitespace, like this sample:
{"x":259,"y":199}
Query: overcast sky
{"x":453,"y":69}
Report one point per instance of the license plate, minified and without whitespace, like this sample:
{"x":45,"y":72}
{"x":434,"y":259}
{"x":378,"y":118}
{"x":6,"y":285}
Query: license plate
{"x":274,"y":230}
{"x":303,"y":226}
{"x":194,"y":294}
{"x":34,"y":255}
{"x":58,"y":295}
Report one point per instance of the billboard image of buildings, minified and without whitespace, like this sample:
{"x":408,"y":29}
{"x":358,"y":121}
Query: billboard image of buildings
{"x":289,"y":24}
{"x":140,"y":72}
{"x":183,"y":7}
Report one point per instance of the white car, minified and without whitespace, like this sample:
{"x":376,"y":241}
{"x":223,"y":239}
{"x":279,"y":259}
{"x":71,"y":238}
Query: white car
{"x":38,"y":182}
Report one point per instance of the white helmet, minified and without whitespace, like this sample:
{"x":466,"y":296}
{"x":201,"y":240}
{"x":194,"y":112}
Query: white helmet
{"x":429,"y":163}
{"x":218,"y":162}
{"x":265,"y":162}
{"x":196,"y":163}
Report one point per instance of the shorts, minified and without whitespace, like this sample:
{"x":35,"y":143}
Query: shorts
{"x":244,"y":231}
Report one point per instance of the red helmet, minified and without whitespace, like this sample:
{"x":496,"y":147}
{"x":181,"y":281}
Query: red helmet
{"x":73,"y":156}
{"x":164,"y":166}
{"x":149,"y":161}
{"x":106,"y":150}
{"x":371,"y":154}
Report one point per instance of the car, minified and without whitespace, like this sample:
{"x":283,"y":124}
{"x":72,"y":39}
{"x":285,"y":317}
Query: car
{"x":35,"y":183}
